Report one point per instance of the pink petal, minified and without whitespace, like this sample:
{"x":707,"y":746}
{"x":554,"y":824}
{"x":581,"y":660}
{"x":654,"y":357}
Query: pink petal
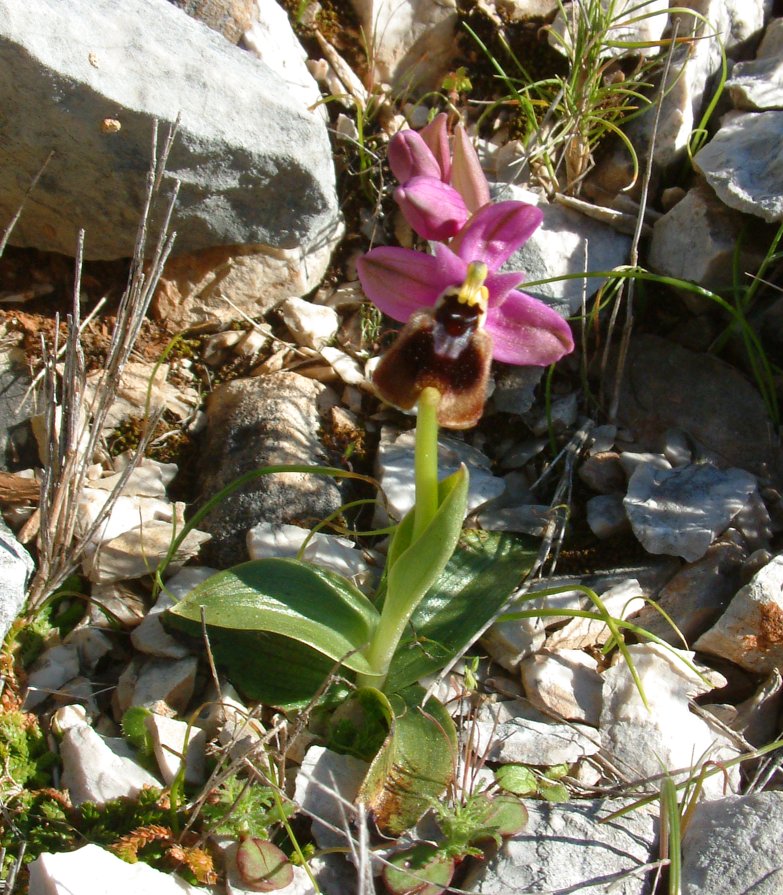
{"x":500,"y":284}
{"x":409,"y":156}
{"x":434,"y":209}
{"x":527,"y":332}
{"x":496,"y":231}
{"x":466,"y":174}
{"x":401,"y":281}
{"x":436,"y":136}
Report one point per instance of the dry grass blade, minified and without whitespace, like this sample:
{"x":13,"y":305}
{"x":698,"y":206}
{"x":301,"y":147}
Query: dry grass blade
{"x":75,"y":422}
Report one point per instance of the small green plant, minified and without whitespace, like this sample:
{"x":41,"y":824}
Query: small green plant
{"x":466,"y":830}
{"x":563,"y":118}
{"x":522,"y":780}
{"x":240,"y":807}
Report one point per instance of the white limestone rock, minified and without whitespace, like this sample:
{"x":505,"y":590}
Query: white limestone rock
{"x":564,"y":684}
{"x":568,"y":849}
{"x":516,"y":731}
{"x":750,"y":631}
{"x":16,"y":566}
{"x":311,"y":325}
{"x":96,"y":768}
{"x":621,"y":601}
{"x":262,"y":174}
{"x":176,"y":742}
{"x":667,"y":735}
{"x":412,"y":41}
{"x":268,"y":539}
{"x":757,"y":85}
{"x":743,"y":177}
{"x":566,"y":243}
{"x":92,"y":870}
{"x":271,"y":38}
{"x":680,"y":511}
{"x":150,"y":637}
{"x":326,"y":785}
{"x":49,"y":672}
{"x":153,"y":681}
{"x":508,"y":643}
{"x":395,"y":462}
{"x":139,"y":551}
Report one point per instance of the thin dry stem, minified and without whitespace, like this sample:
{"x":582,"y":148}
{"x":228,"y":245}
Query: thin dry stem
{"x":74,"y":423}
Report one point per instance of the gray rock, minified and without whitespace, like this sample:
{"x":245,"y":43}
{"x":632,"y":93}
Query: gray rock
{"x":516,"y":731}
{"x":681,"y":511}
{"x":49,"y":672}
{"x":412,"y":41}
{"x":758,"y":85}
{"x":515,"y":388}
{"x":269,"y":420}
{"x":696,"y":596}
{"x":668,"y":386}
{"x":750,"y":631}
{"x":732,"y":846}
{"x":566,"y":243}
{"x":696,"y":241}
{"x":743,"y":177}
{"x":14,"y":382}
{"x":16,"y":566}
{"x":606,"y":515}
{"x":566,"y":848}
{"x":325,"y":782}
{"x":97,"y":75}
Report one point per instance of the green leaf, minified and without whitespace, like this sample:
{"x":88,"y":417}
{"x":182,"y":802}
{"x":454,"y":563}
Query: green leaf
{"x":263,"y":866}
{"x":501,"y":815}
{"x":484,"y":571}
{"x":517,"y":779}
{"x":419,"y":870}
{"x":413,"y":564}
{"x":553,"y":792}
{"x":264,"y":667}
{"x":414,"y":765}
{"x":284,"y":596}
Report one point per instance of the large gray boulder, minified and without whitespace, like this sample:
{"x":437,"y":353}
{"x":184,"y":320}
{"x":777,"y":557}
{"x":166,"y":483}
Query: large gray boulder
{"x":86,"y":79}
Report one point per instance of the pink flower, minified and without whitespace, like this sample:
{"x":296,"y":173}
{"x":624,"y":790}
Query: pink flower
{"x":524,"y":330}
{"x":437,"y":195}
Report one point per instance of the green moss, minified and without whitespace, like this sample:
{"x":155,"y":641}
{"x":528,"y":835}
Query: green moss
{"x":25,"y":758}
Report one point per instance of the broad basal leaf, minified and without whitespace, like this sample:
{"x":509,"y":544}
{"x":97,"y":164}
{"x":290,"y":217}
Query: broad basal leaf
{"x":286,"y":597}
{"x":414,"y":765}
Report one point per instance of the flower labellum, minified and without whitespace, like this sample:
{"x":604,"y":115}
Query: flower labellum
{"x":446,"y":348}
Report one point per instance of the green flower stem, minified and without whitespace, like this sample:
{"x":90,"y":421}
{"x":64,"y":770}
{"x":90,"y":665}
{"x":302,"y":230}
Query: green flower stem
{"x":393,"y":621}
{"x":426,"y":460}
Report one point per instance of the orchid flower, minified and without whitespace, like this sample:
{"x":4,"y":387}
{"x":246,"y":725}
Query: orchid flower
{"x":437,"y":195}
{"x":405,"y":284}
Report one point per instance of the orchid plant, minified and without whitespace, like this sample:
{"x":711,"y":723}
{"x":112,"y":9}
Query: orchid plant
{"x":280,"y":626}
